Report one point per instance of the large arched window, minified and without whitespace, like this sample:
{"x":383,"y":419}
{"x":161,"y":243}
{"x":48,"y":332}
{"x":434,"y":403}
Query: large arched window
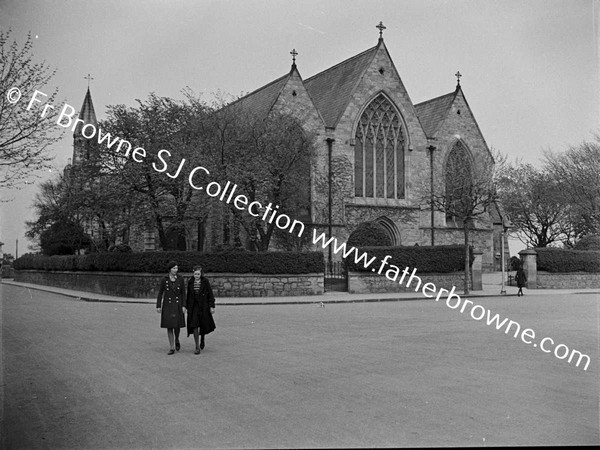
{"x":459,"y":184}
{"x":379,"y":152}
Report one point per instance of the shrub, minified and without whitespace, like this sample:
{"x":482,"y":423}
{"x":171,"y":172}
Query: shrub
{"x":426,"y":259}
{"x":591,"y":242}
{"x":567,"y":260}
{"x":369,"y":234}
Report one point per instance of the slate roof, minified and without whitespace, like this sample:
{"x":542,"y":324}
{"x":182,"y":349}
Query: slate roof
{"x":260,"y":101}
{"x":432,"y":112}
{"x":331,"y":89}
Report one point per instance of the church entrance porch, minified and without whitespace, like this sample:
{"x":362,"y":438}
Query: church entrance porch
{"x":336,"y":276}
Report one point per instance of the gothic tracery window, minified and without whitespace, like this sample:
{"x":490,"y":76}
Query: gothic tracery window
{"x":379,"y":152}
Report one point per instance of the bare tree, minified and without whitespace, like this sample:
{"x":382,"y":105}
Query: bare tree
{"x":24,"y":135}
{"x":465,"y":193}
{"x":269,"y":159}
{"x":171,"y":133}
{"x":577,"y":173}
{"x":537,"y":205}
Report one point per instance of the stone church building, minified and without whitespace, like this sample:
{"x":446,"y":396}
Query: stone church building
{"x":378,"y":152}
{"x":362,"y":114}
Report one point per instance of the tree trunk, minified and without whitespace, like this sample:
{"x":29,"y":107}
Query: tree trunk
{"x":162,"y":237}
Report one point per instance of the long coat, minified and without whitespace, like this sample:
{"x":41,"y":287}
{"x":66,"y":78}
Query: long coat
{"x":171,"y":296}
{"x":198,"y":307}
{"x":521,"y":278}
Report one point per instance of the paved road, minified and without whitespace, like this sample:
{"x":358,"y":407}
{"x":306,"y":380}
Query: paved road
{"x":402,"y":374}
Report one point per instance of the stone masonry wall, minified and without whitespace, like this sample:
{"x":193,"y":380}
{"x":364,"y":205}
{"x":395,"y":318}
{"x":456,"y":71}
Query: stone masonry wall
{"x":365,"y":283}
{"x":135,"y":285}
{"x":580,"y":280}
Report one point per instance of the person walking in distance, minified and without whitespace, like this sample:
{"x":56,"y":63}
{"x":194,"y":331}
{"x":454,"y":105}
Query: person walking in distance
{"x":170,"y":305}
{"x":200,"y":304}
{"x":521,"y":280}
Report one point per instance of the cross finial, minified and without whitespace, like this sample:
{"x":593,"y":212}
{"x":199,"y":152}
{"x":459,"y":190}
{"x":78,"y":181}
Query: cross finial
{"x":381,"y":27}
{"x":457,"y":75}
{"x":89,"y":77}
{"x":294,"y":53}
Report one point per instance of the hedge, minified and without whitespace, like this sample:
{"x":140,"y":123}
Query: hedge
{"x":156,"y":262}
{"x":426,"y":259}
{"x":567,"y":260}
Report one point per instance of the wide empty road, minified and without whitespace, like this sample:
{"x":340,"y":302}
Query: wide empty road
{"x":78,"y":374}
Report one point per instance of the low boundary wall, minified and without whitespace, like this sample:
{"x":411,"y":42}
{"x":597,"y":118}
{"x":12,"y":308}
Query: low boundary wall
{"x":365,"y":283}
{"x":555,"y":280}
{"x":574,"y":280}
{"x":145,"y":285}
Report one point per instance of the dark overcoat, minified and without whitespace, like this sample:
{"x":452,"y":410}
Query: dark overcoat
{"x":521,"y":278}
{"x":171,"y":297}
{"x":198,"y":307}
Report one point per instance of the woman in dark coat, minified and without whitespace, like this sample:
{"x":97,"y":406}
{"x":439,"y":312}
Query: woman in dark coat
{"x":521,"y":280}
{"x":201,"y":306}
{"x":170,"y":305}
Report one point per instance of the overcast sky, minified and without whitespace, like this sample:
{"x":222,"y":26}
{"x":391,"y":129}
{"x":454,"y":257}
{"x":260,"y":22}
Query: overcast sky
{"x":530,"y":68}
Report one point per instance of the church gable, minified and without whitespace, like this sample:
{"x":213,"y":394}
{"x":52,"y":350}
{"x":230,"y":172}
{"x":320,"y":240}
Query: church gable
{"x":459,"y":124}
{"x":294,"y":99}
{"x":380,"y":95}
{"x":286,"y":94}
{"x":380,"y":77}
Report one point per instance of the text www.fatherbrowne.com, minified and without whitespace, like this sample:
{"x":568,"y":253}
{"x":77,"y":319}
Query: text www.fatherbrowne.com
{"x":454,"y":301}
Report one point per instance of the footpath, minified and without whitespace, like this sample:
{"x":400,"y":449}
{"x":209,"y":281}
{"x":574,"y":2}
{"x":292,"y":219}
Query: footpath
{"x":492,"y":287}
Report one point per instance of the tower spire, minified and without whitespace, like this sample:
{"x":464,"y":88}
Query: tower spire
{"x":82,"y":147}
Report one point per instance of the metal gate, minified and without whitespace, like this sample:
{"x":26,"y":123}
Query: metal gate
{"x":336,"y":276}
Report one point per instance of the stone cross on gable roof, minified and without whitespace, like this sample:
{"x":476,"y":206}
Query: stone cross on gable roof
{"x":89,"y":78}
{"x":457,"y":75}
{"x":381,"y":27}
{"x":294,"y":53}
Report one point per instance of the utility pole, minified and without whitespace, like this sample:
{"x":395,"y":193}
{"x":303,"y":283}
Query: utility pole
{"x":330,"y":194}
{"x":431,"y":148}
{"x":502,"y":289}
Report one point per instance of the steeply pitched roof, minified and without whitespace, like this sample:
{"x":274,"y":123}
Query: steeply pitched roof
{"x":87,"y":113}
{"x":432,"y":112}
{"x":260,"y":101}
{"x":331,"y":89}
